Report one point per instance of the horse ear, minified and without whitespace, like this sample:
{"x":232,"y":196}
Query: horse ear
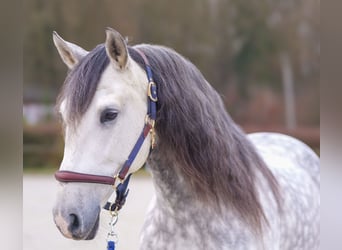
{"x":116,"y":48}
{"x":70,"y":53}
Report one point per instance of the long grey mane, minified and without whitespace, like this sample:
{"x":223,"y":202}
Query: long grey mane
{"x":210,"y":149}
{"x":193,"y":128}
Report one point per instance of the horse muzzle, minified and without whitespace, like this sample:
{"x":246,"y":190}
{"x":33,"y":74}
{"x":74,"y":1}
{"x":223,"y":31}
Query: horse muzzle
{"x":74,"y":225}
{"x":77,"y":208}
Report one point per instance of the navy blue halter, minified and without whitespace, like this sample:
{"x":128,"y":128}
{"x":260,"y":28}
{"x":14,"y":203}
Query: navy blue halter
{"x":149,"y":120}
{"x":121,"y":189}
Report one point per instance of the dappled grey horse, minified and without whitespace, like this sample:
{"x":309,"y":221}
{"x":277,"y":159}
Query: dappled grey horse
{"x":216,"y":188}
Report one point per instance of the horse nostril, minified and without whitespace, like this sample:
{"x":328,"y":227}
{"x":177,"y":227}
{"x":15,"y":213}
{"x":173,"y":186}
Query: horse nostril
{"x":74,"y":222}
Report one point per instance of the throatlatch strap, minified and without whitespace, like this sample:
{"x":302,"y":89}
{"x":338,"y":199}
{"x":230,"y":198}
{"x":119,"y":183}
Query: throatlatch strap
{"x":121,"y":192}
{"x":151,"y":117}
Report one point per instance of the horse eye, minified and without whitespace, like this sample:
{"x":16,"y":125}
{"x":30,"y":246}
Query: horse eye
{"x":108,"y":115}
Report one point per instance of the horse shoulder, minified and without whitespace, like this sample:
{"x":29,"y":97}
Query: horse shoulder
{"x":296,"y":168}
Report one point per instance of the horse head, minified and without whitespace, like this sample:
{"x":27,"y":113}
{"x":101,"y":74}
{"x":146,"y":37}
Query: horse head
{"x":103,"y":109}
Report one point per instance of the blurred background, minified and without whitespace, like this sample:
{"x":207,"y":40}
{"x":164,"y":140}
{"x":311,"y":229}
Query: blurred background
{"x":262,"y":56}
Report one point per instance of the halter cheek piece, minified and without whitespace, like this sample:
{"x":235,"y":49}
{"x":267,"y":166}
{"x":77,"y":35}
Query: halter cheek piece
{"x":121,"y":193}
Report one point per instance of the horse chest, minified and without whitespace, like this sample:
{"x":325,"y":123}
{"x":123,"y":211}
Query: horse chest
{"x":193,"y":229}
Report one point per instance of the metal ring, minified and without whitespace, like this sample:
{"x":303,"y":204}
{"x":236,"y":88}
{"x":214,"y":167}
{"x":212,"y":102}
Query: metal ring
{"x":150,"y":121}
{"x":113,"y":213}
{"x":149,"y":94}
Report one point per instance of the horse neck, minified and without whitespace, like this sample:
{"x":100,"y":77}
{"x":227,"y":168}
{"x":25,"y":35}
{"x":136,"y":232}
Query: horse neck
{"x":177,"y":206}
{"x":172,"y":188}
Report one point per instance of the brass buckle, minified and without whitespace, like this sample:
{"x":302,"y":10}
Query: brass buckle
{"x":148,"y":120}
{"x":117,"y":178}
{"x":149,"y":94}
{"x":153,"y":138}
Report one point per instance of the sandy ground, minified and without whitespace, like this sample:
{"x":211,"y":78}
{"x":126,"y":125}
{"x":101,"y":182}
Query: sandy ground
{"x":40,"y":232}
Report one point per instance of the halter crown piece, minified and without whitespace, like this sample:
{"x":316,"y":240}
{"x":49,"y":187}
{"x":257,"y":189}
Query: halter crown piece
{"x":121,"y":189}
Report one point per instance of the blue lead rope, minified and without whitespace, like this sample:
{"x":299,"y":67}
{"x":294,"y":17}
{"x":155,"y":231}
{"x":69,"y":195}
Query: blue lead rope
{"x":111,"y":245}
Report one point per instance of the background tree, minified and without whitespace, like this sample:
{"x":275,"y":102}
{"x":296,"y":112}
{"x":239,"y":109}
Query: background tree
{"x":237,"y":45}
